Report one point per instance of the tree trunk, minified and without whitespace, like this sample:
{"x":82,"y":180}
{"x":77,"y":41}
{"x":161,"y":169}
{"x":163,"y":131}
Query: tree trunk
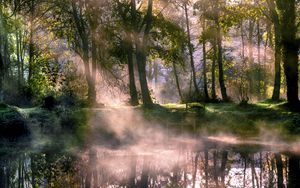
{"x":290,"y":48}
{"x":278,"y":57}
{"x":190,"y":48}
{"x":18,"y":53}
{"x":31,"y":43}
{"x":93,"y":94}
{"x":88,"y":76}
{"x":260,"y":94}
{"x":22,"y":54}
{"x":141,"y":62}
{"x":213,"y":72}
{"x":132,"y":87}
{"x":141,"y":56}
{"x":251,"y":79}
{"x":220,"y":55}
{"x":177,"y":82}
{"x":220,"y":65}
{"x":85,"y":48}
{"x":204,"y":71}
{"x":277,"y":81}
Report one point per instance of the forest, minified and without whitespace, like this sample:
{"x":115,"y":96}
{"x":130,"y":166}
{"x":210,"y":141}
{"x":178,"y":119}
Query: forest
{"x":149,"y":93}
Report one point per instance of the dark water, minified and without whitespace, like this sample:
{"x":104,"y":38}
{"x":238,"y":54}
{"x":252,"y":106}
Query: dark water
{"x":203,"y":164}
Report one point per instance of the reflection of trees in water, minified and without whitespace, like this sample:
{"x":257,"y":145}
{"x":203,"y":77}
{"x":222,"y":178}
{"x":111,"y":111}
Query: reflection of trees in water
{"x":208,"y":168}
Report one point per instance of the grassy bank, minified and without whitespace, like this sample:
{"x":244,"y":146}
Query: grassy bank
{"x":229,"y":118}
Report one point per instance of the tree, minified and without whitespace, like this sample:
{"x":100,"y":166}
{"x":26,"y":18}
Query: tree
{"x":201,"y":6}
{"x":142,"y":49}
{"x":126,"y":43}
{"x":81,"y":28}
{"x":290,"y":47}
{"x":220,"y":51}
{"x":190,"y":50}
{"x":273,"y":14}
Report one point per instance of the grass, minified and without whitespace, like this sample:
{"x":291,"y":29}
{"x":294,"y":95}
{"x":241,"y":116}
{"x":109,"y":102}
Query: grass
{"x":230,"y":118}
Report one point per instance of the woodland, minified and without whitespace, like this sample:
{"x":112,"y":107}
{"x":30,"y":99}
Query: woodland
{"x":149,"y":93}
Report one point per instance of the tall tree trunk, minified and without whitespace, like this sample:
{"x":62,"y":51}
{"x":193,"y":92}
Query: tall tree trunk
{"x":18,"y":53}
{"x":31,"y":49}
{"x":220,"y":54}
{"x":277,"y":80}
{"x":88,"y":74}
{"x":95,"y":48}
{"x":141,"y":64}
{"x":22,"y":54}
{"x":213,"y":71}
{"x":190,"y":48}
{"x":204,"y":71}
{"x":132,"y":87}
{"x":81,"y":28}
{"x":251,"y":79}
{"x":290,"y":48}
{"x":220,"y":66}
{"x":141,"y":56}
{"x":260,"y":94}
{"x":278,"y":57}
{"x":177,"y":82}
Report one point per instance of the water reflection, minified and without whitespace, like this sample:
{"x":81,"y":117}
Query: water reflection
{"x":100,"y":167}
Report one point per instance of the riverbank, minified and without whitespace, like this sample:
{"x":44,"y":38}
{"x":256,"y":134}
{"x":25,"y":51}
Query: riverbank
{"x":77,"y":124}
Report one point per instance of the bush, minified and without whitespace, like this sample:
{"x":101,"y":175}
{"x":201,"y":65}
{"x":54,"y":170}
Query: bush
{"x":12,"y":124}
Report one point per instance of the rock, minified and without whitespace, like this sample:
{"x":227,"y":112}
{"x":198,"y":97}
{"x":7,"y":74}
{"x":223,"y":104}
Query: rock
{"x":12,"y":124}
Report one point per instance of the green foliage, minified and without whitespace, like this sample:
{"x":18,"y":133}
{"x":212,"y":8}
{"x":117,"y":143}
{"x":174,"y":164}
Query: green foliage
{"x":73,"y":90}
{"x":169,"y":41}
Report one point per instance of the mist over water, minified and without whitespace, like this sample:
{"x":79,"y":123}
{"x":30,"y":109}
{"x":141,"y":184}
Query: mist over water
{"x":124,"y":149}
